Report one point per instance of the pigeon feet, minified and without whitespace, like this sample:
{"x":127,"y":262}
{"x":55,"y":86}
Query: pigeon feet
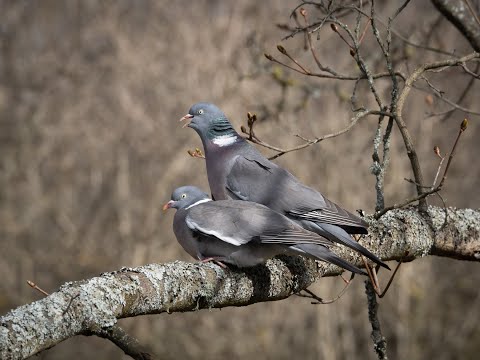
{"x":215,"y":260}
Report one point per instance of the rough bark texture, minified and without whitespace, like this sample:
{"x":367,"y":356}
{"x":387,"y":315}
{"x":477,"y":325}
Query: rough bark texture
{"x":97,"y":303}
{"x":379,"y":341}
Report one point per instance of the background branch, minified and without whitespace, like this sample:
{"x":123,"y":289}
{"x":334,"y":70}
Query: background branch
{"x":379,"y":341}
{"x":461,"y":17}
{"x":411,"y":152}
{"x":119,"y":337}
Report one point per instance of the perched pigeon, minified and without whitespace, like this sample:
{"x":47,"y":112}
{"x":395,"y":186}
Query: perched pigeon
{"x":236,"y":170}
{"x":242,"y":233}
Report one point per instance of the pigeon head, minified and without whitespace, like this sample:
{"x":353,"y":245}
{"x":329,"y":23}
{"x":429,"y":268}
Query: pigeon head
{"x":186,"y":196}
{"x":211,"y":124}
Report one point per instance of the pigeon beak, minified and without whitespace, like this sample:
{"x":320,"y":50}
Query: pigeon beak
{"x":168,"y":205}
{"x":187,"y":117}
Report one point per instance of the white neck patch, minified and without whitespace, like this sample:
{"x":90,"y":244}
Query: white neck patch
{"x":224,"y":140}
{"x":198,"y":202}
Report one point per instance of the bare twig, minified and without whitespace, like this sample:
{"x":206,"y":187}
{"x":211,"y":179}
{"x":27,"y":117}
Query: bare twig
{"x":436,"y":149}
{"x":444,"y":209}
{"x":119,"y":337}
{"x":379,"y":342}
{"x":462,"y":96}
{"x":474,"y":74}
{"x":424,"y":194}
{"x":463,"y":127}
{"x":282,"y":50}
{"x":372,"y":273}
{"x":457,"y":106}
{"x":33,"y":285}
{"x":70,"y":304}
{"x":319,"y":300}
{"x":472,"y":11}
{"x":415,"y":45}
{"x":353,"y":121}
{"x":417,"y":172}
{"x":378,"y":167}
{"x":335,"y":76}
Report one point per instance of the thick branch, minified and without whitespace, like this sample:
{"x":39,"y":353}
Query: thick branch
{"x":460,"y":15}
{"x":178,"y":286}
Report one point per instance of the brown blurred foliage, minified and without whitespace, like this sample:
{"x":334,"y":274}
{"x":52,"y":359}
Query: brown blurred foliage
{"x":90,"y":94}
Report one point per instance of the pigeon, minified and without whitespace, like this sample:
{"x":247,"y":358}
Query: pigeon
{"x":242,"y":233}
{"x":237,"y":170}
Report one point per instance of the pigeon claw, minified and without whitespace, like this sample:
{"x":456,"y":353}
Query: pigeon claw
{"x":213,"y":259}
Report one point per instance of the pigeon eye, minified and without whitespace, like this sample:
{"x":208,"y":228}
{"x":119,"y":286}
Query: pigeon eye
{"x":200,"y":112}
{"x":184,"y":196}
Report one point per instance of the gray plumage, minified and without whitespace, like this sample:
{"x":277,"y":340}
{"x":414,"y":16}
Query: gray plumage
{"x":237,"y":170}
{"x":242,"y":233}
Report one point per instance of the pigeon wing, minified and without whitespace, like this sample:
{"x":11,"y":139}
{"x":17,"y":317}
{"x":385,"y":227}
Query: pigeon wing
{"x":256,"y":179}
{"x":241,"y":222}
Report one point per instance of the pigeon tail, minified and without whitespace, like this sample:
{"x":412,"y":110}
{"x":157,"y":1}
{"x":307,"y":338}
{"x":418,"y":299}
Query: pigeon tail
{"x":322,"y":253}
{"x":338,"y":235}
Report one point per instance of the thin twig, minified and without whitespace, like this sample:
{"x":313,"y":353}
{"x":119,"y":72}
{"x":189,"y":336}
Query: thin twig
{"x":423,"y":195}
{"x":457,"y":106}
{"x":449,"y":102}
{"x":462,"y":95}
{"x":127,"y":343}
{"x":33,"y":285}
{"x":353,"y":121}
{"x":445,"y":209}
{"x":70,"y":304}
{"x":284,"y":52}
{"x":379,"y":342}
{"x":319,"y":300}
{"x":442,"y":158}
{"x":418,"y":46}
{"x":474,"y":75}
{"x":390,"y":281}
{"x":472,"y":11}
{"x":372,"y":273}
{"x":336,"y":76}
{"x":417,"y":172}
{"x":377,"y":167}
{"x":463,"y":127}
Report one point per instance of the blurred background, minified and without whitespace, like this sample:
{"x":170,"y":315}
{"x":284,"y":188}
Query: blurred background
{"x":90,"y":149}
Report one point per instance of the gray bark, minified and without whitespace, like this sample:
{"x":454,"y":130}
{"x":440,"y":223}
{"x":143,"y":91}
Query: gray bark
{"x":96,"y":304}
{"x":458,"y":13}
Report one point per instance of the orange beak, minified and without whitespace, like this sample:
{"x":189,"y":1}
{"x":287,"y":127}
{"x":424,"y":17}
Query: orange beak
{"x":168,"y":205}
{"x":187,"y":117}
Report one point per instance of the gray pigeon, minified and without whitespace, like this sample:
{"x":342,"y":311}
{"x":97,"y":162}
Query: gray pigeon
{"x":236,"y":170}
{"x":242,"y":233}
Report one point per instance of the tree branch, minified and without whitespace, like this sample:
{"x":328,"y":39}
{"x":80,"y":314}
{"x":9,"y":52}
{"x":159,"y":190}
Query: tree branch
{"x":180,"y":286}
{"x":379,"y":341}
{"x":359,"y":115}
{"x":461,"y":17}
{"x":119,"y":337}
{"x":407,"y":139}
